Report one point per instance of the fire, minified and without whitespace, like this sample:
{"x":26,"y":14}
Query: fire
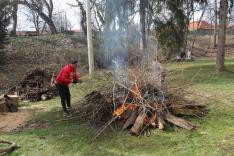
{"x":135,"y":89}
{"x":122,"y":108}
{"x":135,"y":94}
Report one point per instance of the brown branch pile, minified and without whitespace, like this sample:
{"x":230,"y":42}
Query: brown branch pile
{"x":35,"y":85}
{"x":138,"y":99}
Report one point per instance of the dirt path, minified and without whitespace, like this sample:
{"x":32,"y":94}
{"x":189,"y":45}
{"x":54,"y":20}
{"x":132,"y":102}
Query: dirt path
{"x":10,"y":121}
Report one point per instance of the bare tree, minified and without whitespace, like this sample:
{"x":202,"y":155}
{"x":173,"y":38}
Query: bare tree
{"x":33,"y":17}
{"x":83,"y":16}
{"x":61,"y":22}
{"x":89,"y":38}
{"x":143,"y":24}
{"x":14,"y":16}
{"x":44,"y":8}
{"x":80,"y":5}
{"x":99,"y":11}
{"x":222,"y":35}
{"x":68,"y":24}
{"x":215,"y":22}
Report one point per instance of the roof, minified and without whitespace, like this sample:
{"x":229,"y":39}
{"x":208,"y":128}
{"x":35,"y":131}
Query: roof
{"x":230,"y":26}
{"x":76,"y":30}
{"x":203,"y":25}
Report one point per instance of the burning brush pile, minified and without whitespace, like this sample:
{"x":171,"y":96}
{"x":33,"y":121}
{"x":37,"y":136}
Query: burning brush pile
{"x":35,"y":85}
{"x":139,"y":99}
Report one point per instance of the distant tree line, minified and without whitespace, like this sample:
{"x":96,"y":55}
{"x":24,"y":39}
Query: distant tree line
{"x":168,"y":19}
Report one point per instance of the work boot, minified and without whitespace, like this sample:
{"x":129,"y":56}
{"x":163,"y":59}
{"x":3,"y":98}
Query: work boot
{"x":69,"y":109}
{"x":66,"y":114}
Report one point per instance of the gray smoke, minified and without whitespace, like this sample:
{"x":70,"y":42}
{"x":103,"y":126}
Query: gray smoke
{"x":115,"y":35}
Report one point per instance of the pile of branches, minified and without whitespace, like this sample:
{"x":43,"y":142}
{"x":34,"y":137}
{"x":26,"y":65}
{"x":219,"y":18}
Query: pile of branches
{"x":138,"y":99}
{"x":35,"y":85}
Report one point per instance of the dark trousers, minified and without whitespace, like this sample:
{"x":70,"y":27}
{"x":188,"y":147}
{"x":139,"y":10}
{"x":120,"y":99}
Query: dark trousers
{"x":65,"y":96}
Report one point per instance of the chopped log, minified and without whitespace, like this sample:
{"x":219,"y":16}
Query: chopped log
{"x":12,"y":99}
{"x":161,"y":123}
{"x":139,"y":123}
{"x":189,"y":106}
{"x":9,"y":103}
{"x":45,"y":97}
{"x":3,"y":106}
{"x":12,"y":102}
{"x":153,"y":120}
{"x":12,"y":146}
{"x":179,"y":122}
{"x":131,"y":119}
{"x":189,"y":112}
{"x":189,"y":109}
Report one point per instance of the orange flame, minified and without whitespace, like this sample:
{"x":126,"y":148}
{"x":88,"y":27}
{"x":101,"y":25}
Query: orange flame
{"x":136,"y":93}
{"x":122,"y":108}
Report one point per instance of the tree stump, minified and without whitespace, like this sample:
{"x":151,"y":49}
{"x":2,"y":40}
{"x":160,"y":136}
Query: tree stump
{"x":3,"y":106}
{"x":9,"y":103}
{"x":12,"y":102}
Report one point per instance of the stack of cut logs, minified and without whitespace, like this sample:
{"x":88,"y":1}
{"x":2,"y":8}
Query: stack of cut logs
{"x":35,"y":86}
{"x":9,"y":103}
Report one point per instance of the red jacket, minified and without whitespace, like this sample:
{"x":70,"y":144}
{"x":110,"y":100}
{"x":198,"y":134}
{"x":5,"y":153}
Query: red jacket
{"x":66,"y":75}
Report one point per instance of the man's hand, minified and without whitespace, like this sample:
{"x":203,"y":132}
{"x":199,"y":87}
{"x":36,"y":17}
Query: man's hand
{"x":79,"y":81}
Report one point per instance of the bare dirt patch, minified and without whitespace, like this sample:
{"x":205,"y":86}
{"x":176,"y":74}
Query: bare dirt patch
{"x":10,"y":121}
{"x":31,"y":125}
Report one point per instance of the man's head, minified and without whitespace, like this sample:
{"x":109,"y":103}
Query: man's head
{"x":74,"y":64}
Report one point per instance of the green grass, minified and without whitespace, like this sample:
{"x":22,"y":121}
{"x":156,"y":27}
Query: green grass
{"x":214,"y":135}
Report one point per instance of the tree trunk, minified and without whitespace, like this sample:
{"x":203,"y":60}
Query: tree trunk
{"x":83,"y":17}
{"x":3,"y":106}
{"x":36,"y":21}
{"x":43,"y":28}
{"x":89,"y":38}
{"x":188,"y":13}
{"x":47,"y":18}
{"x":142,"y":24}
{"x":99,"y":15}
{"x":49,"y":22}
{"x":14,"y":16}
{"x":215,"y":24}
{"x":222,"y":35}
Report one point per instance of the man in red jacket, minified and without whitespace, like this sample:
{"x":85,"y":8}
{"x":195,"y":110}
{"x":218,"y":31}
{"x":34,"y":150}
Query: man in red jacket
{"x":66,"y":76}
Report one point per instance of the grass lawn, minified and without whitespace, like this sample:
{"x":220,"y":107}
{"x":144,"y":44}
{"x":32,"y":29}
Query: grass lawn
{"x":214,"y":135}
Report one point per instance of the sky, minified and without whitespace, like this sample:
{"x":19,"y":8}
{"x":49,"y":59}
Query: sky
{"x":61,"y":6}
